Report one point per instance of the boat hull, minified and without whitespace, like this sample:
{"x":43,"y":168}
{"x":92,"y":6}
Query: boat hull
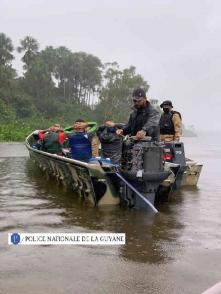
{"x":89,"y":181}
{"x":96,"y":182}
{"x":191,"y":174}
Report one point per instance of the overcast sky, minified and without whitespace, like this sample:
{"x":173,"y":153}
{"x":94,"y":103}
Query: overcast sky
{"x":174,"y":44}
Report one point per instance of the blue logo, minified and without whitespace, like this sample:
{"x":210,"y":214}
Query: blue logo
{"x":15,"y":238}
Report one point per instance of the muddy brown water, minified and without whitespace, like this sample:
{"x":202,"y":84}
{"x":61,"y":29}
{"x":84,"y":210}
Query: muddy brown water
{"x":175,"y":251}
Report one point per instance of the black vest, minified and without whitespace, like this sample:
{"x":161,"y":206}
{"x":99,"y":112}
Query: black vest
{"x":166,"y":124}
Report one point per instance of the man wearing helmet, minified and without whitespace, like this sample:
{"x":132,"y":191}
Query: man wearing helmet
{"x":170,"y":123}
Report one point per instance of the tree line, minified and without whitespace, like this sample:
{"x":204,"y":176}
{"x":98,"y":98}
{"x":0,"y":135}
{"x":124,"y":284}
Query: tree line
{"x":58,"y":83}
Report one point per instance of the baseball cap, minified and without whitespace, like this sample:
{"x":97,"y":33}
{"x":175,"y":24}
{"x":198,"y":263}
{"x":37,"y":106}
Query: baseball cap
{"x":139,"y":93}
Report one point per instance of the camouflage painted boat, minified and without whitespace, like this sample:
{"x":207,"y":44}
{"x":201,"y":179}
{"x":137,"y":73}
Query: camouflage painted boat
{"x":99,"y":183}
{"x":149,"y":172}
{"x":191,"y":174}
{"x":187,"y":171}
{"x":88,"y":180}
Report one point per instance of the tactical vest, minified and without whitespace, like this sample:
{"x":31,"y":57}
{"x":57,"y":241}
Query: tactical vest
{"x":51,"y":143}
{"x":166,"y":123}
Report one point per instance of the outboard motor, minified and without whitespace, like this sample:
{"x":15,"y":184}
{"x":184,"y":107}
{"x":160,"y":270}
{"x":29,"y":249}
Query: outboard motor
{"x":174,"y":153}
{"x":143,"y":168}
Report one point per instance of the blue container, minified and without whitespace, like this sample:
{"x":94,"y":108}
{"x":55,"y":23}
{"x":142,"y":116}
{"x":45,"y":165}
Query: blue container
{"x":80,"y":147}
{"x":94,"y":159}
{"x":106,"y":160}
{"x":100,"y":159}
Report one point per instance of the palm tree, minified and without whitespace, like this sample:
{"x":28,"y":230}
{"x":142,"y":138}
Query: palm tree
{"x":6,"y":48}
{"x":30,"y":48}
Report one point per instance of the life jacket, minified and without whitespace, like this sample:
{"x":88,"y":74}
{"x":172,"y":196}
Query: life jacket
{"x":51,"y":143}
{"x":80,"y":146}
{"x":166,"y":123}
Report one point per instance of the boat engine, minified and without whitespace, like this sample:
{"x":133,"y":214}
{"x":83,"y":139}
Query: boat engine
{"x":143,"y":167}
{"x":174,"y":153}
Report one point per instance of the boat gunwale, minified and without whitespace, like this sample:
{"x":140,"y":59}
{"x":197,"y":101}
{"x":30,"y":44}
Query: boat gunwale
{"x":63,"y":158}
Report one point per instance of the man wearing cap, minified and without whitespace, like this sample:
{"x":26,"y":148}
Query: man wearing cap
{"x":144,"y":120}
{"x":170,"y":123}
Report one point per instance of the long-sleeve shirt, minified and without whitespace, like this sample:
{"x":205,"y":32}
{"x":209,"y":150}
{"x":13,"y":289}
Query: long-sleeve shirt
{"x":146,"y":118}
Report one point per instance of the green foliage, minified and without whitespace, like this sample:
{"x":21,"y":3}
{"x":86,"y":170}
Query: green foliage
{"x":30,"y":48}
{"x":7,"y":73}
{"x":38,"y":81}
{"x":6,"y":49}
{"x":60,"y":86}
{"x":115,"y":95}
{"x":23,"y":106}
{"x":6,"y":112}
{"x":78,"y":74}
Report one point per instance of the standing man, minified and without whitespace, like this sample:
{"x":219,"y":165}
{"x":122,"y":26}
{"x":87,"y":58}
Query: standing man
{"x":170,"y":123}
{"x":144,"y":120}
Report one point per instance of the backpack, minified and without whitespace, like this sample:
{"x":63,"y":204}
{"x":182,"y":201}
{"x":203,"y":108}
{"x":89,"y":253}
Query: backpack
{"x":51,"y":143}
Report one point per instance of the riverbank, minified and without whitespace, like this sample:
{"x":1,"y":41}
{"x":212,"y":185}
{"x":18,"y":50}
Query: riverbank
{"x":18,"y":130}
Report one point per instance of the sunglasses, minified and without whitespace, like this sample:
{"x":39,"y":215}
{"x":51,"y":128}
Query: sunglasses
{"x":137,"y":100}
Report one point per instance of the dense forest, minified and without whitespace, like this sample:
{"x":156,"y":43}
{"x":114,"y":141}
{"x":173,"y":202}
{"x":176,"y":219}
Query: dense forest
{"x":58,"y":85}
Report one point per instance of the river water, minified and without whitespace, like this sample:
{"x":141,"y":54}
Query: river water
{"x":175,"y":251}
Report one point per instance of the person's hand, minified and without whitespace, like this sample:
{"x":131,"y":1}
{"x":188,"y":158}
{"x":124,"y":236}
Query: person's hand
{"x":119,"y":132}
{"x":110,"y":123}
{"x":140,"y":135}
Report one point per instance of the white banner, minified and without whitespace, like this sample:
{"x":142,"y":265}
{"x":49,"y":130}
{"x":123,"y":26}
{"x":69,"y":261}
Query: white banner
{"x":66,"y":239}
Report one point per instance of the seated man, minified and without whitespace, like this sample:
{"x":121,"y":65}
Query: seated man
{"x":111,"y":143}
{"x":80,"y":141}
{"x":91,"y":132}
{"x":52,"y":139}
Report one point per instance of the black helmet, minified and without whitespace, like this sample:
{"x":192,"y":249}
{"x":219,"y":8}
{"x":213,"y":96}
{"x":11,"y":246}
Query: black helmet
{"x":139,"y":93}
{"x":166,"y":103}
